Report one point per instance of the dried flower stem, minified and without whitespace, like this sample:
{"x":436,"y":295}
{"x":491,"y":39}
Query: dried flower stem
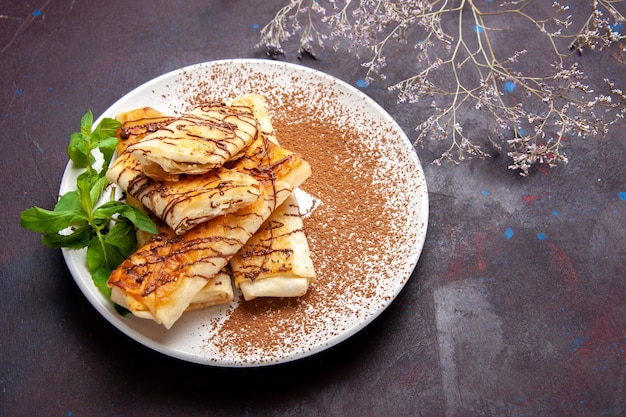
{"x":460,"y":68}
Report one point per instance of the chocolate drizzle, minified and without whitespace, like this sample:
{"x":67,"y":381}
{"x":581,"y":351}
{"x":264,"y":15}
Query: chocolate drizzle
{"x":205,"y":249}
{"x":271,"y":251}
{"x":165,"y":260}
{"x":196,"y":142}
{"x":139,"y":128}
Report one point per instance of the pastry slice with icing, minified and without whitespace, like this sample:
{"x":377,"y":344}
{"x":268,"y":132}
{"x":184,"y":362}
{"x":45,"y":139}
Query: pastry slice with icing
{"x":192,"y":200}
{"x":162,"y":278}
{"x":184,"y":203}
{"x":276,"y":261}
{"x":206,"y":138}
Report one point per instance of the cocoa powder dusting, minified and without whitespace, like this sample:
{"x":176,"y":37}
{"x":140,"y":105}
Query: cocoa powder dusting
{"x":343,"y":232}
{"x":344,"y":229}
{"x":368,"y":223}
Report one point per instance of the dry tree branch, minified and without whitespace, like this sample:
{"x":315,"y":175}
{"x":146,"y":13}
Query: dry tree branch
{"x":459,"y":66}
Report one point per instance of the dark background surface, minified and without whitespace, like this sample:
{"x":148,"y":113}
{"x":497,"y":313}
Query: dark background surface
{"x":517,"y":306}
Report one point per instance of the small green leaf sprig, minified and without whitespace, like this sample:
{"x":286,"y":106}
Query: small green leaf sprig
{"x":78,"y":220}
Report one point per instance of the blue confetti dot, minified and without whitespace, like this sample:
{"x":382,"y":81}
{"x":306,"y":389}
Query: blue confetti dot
{"x":579,"y":342}
{"x":509,"y":86}
{"x":485,"y":192}
{"x":542,"y":236}
{"x":19,"y":92}
{"x":508,"y":233}
{"x":255,"y":27}
{"x":622,"y":195}
{"x":616,"y":27}
{"x":37,"y":13}
{"x":478,"y":29}
{"x":362,"y":83}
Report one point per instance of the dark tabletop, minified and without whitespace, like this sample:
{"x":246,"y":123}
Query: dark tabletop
{"x":517,"y":306}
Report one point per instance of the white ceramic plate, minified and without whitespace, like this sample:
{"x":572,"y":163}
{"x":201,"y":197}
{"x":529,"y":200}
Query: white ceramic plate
{"x":382,"y":270}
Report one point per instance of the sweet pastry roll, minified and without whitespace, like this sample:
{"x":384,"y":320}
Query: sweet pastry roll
{"x":162,"y":278}
{"x":276,"y":261}
{"x":137,"y":123}
{"x":197,"y":142}
{"x":218,"y":290}
{"x":192,"y":200}
{"x":259,"y":108}
{"x":184,"y":203}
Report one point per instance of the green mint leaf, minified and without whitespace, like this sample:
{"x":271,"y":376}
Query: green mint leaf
{"x":77,"y":239}
{"x":137,"y":217}
{"x":86,"y":123}
{"x":107,"y":147}
{"x":69,"y":201}
{"x":107,"y":252}
{"x":121,"y":310}
{"x":83,"y":183}
{"x":140,"y":219}
{"x":77,"y":150}
{"x":121,"y":236}
{"x":106,"y":129}
{"x":98,"y":185}
{"x":90,"y":189}
{"x":100,"y":278}
{"x":67,"y":212}
{"x":99,"y":260}
{"x":107,"y":210}
{"x":108,"y":231}
{"x":45,"y":221}
{"x":104,"y":138}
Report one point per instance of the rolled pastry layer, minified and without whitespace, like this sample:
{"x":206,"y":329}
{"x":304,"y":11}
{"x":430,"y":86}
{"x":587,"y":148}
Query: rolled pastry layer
{"x":165,"y":275}
{"x":190,"y":201}
{"x":197,"y":142}
{"x":276,"y":261}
